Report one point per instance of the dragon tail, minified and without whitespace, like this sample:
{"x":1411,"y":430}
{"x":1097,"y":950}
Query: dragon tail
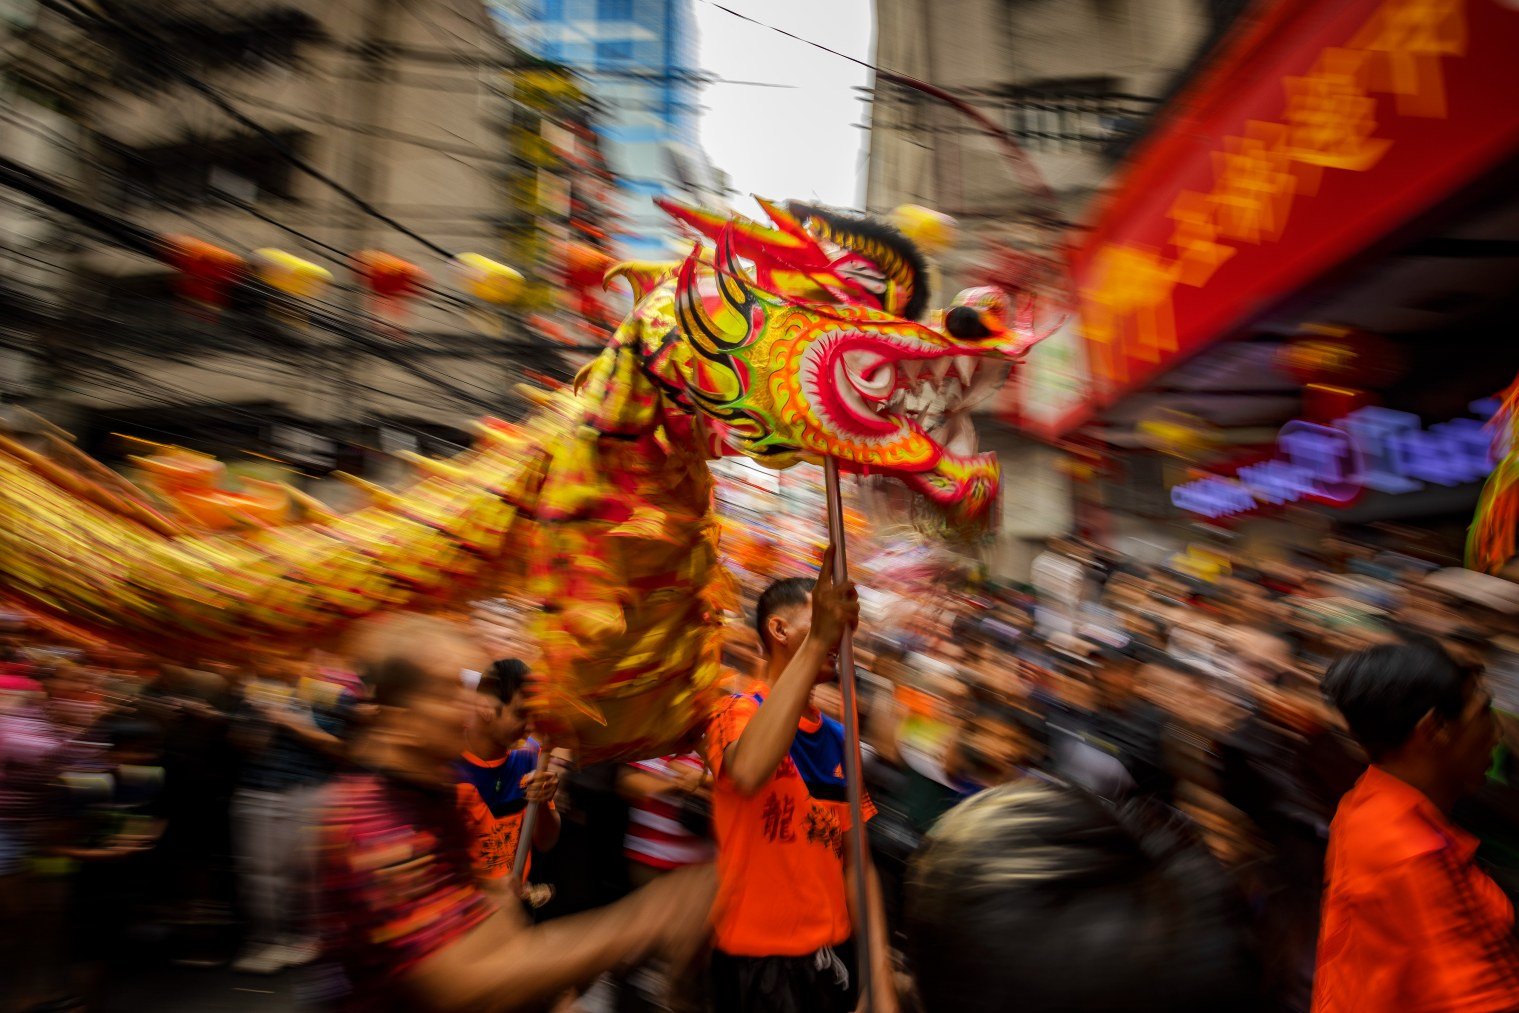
{"x":1490,"y":542}
{"x":102,"y":558}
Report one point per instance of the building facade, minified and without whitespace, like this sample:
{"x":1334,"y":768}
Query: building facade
{"x":1073,"y":82}
{"x":400,"y":107}
{"x":641,"y":64}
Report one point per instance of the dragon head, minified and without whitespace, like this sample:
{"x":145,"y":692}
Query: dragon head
{"x":799,"y":346}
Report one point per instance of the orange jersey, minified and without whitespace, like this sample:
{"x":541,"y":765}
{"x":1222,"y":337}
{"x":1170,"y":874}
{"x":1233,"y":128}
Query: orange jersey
{"x":780,"y":852}
{"x":1410,"y":924}
{"x":492,"y":802}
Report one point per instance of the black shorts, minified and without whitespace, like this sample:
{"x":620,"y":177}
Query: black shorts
{"x":810,"y":984}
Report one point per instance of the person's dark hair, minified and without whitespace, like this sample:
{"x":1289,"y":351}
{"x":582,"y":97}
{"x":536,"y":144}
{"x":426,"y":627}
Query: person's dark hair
{"x":128,"y":732}
{"x":1063,"y":902}
{"x":1384,"y":691}
{"x":393,"y":680}
{"x":504,"y":679}
{"x":782,"y":594}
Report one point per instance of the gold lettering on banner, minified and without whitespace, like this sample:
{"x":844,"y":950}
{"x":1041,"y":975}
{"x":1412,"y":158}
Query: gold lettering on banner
{"x":1408,"y":39}
{"x":1328,"y":121}
{"x":1331,"y":117}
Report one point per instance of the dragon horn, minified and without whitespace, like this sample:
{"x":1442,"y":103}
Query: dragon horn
{"x":642,"y":276}
{"x":691,"y":310}
{"x":788,"y":242}
{"x":732,"y":283}
{"x":784,"y":220}
{"x":698,"y":220}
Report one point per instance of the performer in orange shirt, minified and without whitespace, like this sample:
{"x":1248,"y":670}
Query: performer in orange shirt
{"x":1410,"y":923}
{"x":494,"y":782}
{"x":784,"y":916}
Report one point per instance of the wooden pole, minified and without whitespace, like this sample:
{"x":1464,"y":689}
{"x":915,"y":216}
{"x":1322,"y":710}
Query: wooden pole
{"x":852,"y":774}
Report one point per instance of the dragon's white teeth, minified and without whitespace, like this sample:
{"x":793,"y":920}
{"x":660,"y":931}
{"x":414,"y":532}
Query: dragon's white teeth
{"x":925,"y":400}
{"x":912,"y":369}
{"x":965,"y":368}
{"x":939,"y":367}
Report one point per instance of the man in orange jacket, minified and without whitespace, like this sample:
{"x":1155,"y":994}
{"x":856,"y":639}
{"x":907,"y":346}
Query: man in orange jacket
{"x":1410,"y":923}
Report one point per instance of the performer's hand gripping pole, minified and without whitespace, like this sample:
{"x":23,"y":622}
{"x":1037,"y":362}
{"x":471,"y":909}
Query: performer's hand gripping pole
{"x":529,"y":822}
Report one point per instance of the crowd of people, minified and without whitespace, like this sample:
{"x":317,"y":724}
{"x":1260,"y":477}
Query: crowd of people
{"x":1110,"y":789}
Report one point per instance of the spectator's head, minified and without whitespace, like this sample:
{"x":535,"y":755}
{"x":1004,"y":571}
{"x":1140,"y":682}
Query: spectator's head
{"x":993,"y":745}
{"x":73,"y":683}
{"x":276,"y":667}
{"x":783,"y":618}
{"x":1413,"y":707}
{"x":1050,"y":899}
{"x":1117,"y":676}
{"x":500,"y":715}
{"x":413,"y":666}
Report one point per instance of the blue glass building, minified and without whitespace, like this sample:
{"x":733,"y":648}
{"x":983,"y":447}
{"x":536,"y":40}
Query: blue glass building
{"x":640,"y":57}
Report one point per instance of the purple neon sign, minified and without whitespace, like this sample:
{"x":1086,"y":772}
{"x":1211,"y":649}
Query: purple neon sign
{"x":1371,"y":448}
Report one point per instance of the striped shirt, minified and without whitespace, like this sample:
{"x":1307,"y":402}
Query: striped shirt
{"x":655,"y":836}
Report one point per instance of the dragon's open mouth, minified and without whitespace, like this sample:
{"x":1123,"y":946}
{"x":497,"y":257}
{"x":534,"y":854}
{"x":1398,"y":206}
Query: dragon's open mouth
{"x":886,"y":389}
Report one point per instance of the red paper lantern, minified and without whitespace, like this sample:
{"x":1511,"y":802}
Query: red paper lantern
{"x":206,"y":273}
{"x":388,"y":276}
{"x":391,"y":280}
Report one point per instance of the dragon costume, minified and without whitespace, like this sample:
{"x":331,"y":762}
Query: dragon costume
{"x":1490,"y":541}
{"x":786,"y":342}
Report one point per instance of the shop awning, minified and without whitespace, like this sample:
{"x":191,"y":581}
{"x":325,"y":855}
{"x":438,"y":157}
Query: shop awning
{"x":1318,"y":131}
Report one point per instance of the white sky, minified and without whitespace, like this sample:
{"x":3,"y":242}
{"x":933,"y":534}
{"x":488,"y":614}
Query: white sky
{"x":795,"y":142}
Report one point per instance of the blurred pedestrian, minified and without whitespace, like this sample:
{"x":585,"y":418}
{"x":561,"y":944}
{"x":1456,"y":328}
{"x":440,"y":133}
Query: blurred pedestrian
{"x":291,"y":746}
{"x":1410,"y":922}
{"x":112,"y":819}
{"x":669,"y":827}
{"x":405,"y":920}
{"x":1047,"y":899}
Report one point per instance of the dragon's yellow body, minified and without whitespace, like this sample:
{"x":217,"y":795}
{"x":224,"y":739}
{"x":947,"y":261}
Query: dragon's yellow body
{"x":598,"y":504}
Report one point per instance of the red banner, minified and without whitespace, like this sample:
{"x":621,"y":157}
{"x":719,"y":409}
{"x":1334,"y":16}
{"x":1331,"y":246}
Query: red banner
{"x":1320,"y":130}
